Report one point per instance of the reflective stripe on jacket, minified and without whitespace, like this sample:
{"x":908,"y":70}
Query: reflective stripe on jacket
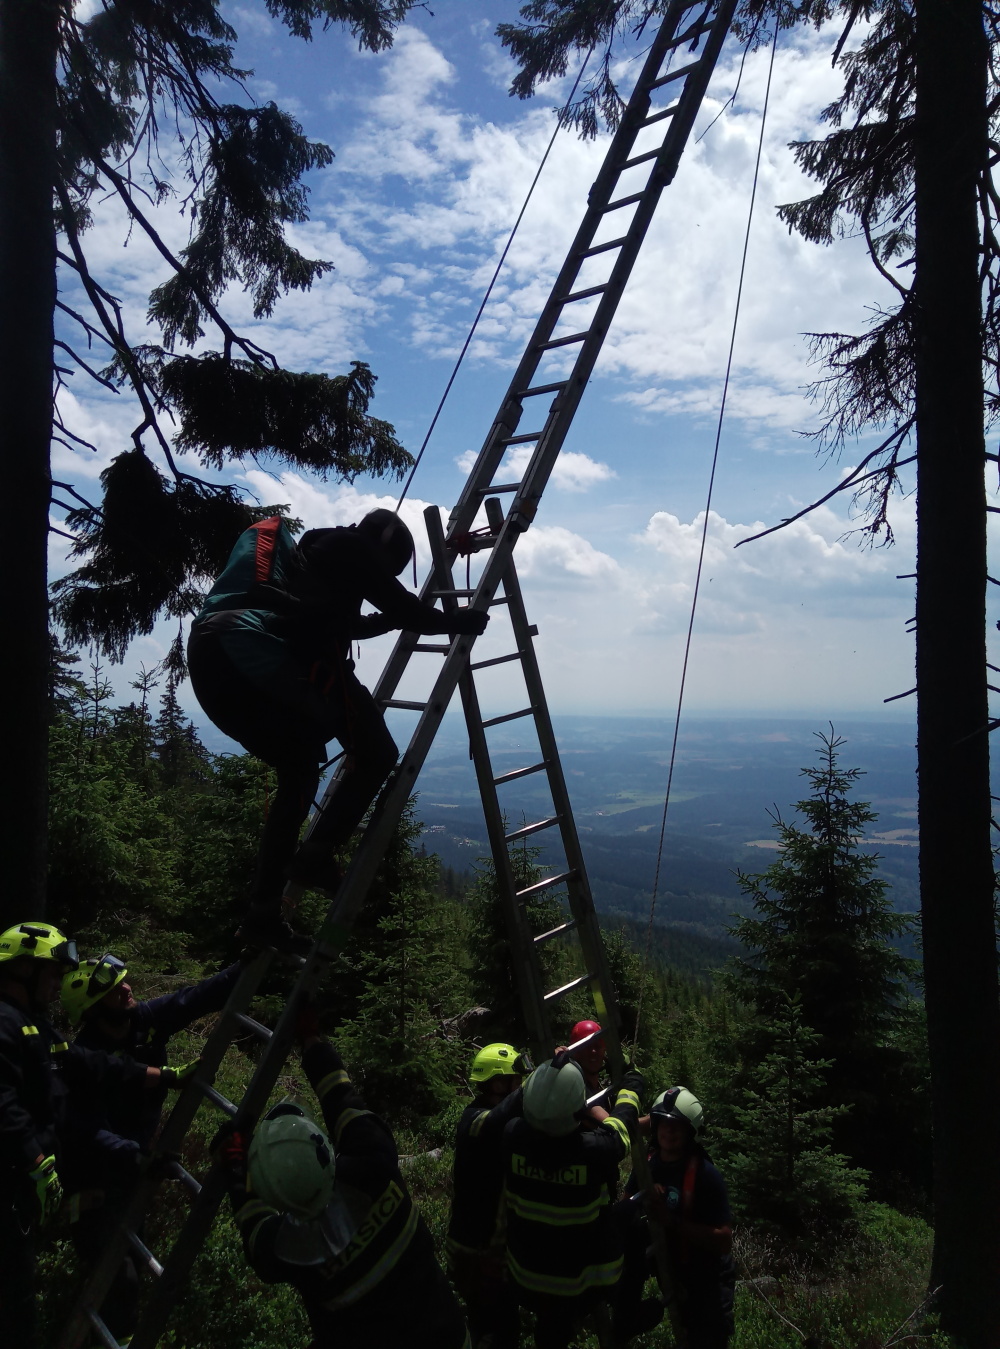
{"x":561,"y":1236}
{"x":387,"y":1277}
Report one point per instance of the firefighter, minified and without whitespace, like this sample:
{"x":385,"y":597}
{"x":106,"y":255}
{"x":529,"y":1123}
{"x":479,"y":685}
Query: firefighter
{"x":109,"y":1131}
{"x":476,"y":1242}
{"x":329,"y":1213}
{"x":269,"y":657}
{"x":693,"y":1206}
{"x":35,"y":1066}
{"x":587,"y":1048}
{"x":564,"y":1252}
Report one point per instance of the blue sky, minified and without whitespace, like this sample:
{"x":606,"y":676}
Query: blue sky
{"x":433,"y":160}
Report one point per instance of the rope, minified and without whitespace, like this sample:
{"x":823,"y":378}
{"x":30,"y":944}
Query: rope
{"x":493,"y":280}
{"x":704,"y":538}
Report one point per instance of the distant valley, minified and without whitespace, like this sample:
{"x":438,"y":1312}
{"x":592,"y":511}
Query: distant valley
{"x":729,"y":774}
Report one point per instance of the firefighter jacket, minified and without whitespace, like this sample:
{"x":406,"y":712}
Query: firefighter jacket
{"x":108,"y":1129}
{"x":562,"y":1240}
{"x":386,"y":1287}
{"x":476,"y":1223}
{"x":36,"y":1067}
{"x":276,"y":599}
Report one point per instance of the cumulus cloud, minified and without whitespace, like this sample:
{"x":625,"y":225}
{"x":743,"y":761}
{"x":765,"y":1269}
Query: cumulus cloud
{"x":465,"y":180}
{"x":573,"y":471}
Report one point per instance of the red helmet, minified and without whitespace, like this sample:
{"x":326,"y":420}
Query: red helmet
{"x":584,"y":1030}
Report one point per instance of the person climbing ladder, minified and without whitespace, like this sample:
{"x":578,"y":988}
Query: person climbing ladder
{"x":269,"y":657}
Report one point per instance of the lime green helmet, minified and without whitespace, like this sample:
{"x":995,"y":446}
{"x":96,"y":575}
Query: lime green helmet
{"x":87,"y":985}
{"x":678,"y":1103}
{"x":37,"y":941}
{"x":554,"y":1096}
{"x":497,"y":1060}
{"x":290,"y":1164}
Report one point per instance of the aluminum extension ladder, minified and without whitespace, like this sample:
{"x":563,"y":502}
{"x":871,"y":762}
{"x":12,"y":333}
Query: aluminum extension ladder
{"x":596,"y":268}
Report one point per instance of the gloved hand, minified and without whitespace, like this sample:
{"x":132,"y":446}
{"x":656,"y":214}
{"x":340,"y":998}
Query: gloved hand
{"x":159,"y":1166}
{"x":177,"y":1077}
{"x":634,"y":1081}
{"x":229,"y":1148}
{"x":468,"y":622}
{"x":48,"y":1189}
{"x":307,"y":1022}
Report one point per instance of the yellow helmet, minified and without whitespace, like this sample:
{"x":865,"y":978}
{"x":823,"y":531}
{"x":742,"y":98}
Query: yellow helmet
{"x":87,"y":985}
{"x":498,"y":1060}
{"x":37,"y":941}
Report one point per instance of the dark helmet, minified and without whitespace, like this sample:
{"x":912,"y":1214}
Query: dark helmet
{"x":385,"y":531}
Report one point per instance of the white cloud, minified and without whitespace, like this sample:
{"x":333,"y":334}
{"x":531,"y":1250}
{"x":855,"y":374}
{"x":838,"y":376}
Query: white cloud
{"x":466,"y":181}
{"x":573,"y":471}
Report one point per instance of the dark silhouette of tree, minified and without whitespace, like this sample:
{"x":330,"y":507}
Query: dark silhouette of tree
{"x":822,"y":933}
{"x":132,"y":103}
{"x":909,"y":163}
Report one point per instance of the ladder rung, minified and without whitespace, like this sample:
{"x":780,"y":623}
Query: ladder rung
{"x":659,"y":116}
{"x":677,"y":74}
{"x":532,"y":828}
{"x":547,"y":388}
{"x":639,"y":159}
{"x":568,"y":988}
{"x":692,"y":34}
{"x":452,"y":594}
{"x":548,"y":884}
{"x":522,"y":440}
{"x":565,"y":341}
{"x":177,"y":1172}
{"x":508,"y":716}
{"x":217,"y":1099}
{"x":623,"y":201}
{"x":603,"y":248}
{"x":404,"y":706}
{"x":586,"y":294}
{"x":437,"y":650}
{"x":254,"y":1027}
{"x":554,"y":932}
{"x":495,"y":660}
{"x":145,"y":1254}
{"x":500,"y":487}
{"x":520,"y":773}
{"x":103,"y":1333}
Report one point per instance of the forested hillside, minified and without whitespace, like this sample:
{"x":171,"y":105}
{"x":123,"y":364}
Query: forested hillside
{"x":821,"y":1129}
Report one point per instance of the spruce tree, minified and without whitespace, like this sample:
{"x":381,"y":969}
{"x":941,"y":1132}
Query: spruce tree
{"x":822,"y":933}
{"x":403,"y":970}
{"x":784,"y":1176}
{"x":143,"y":103}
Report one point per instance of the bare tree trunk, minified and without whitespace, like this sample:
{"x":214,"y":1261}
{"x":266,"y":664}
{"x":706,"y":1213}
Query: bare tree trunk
{"x":956,"y":865}
{"x":28,"y":38}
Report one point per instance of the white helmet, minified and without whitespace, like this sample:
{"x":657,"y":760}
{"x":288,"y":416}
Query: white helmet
{"x":291,"y":1164}
{"x":678,"y":1103}
{"x":553,"y":1096}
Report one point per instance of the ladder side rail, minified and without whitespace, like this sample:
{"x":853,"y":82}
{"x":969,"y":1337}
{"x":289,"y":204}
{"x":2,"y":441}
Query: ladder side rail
{"x":565,"y":403}
{"x":171,"y":1136}
{"x":580,"y":896}
{"x":560,"y":417}
{"x":197,"y":1225}
{"x":528,"y":979}
{"x":665,"y":166}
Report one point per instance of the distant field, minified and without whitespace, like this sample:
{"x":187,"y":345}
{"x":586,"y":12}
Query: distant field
{"x":728,"y":777}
